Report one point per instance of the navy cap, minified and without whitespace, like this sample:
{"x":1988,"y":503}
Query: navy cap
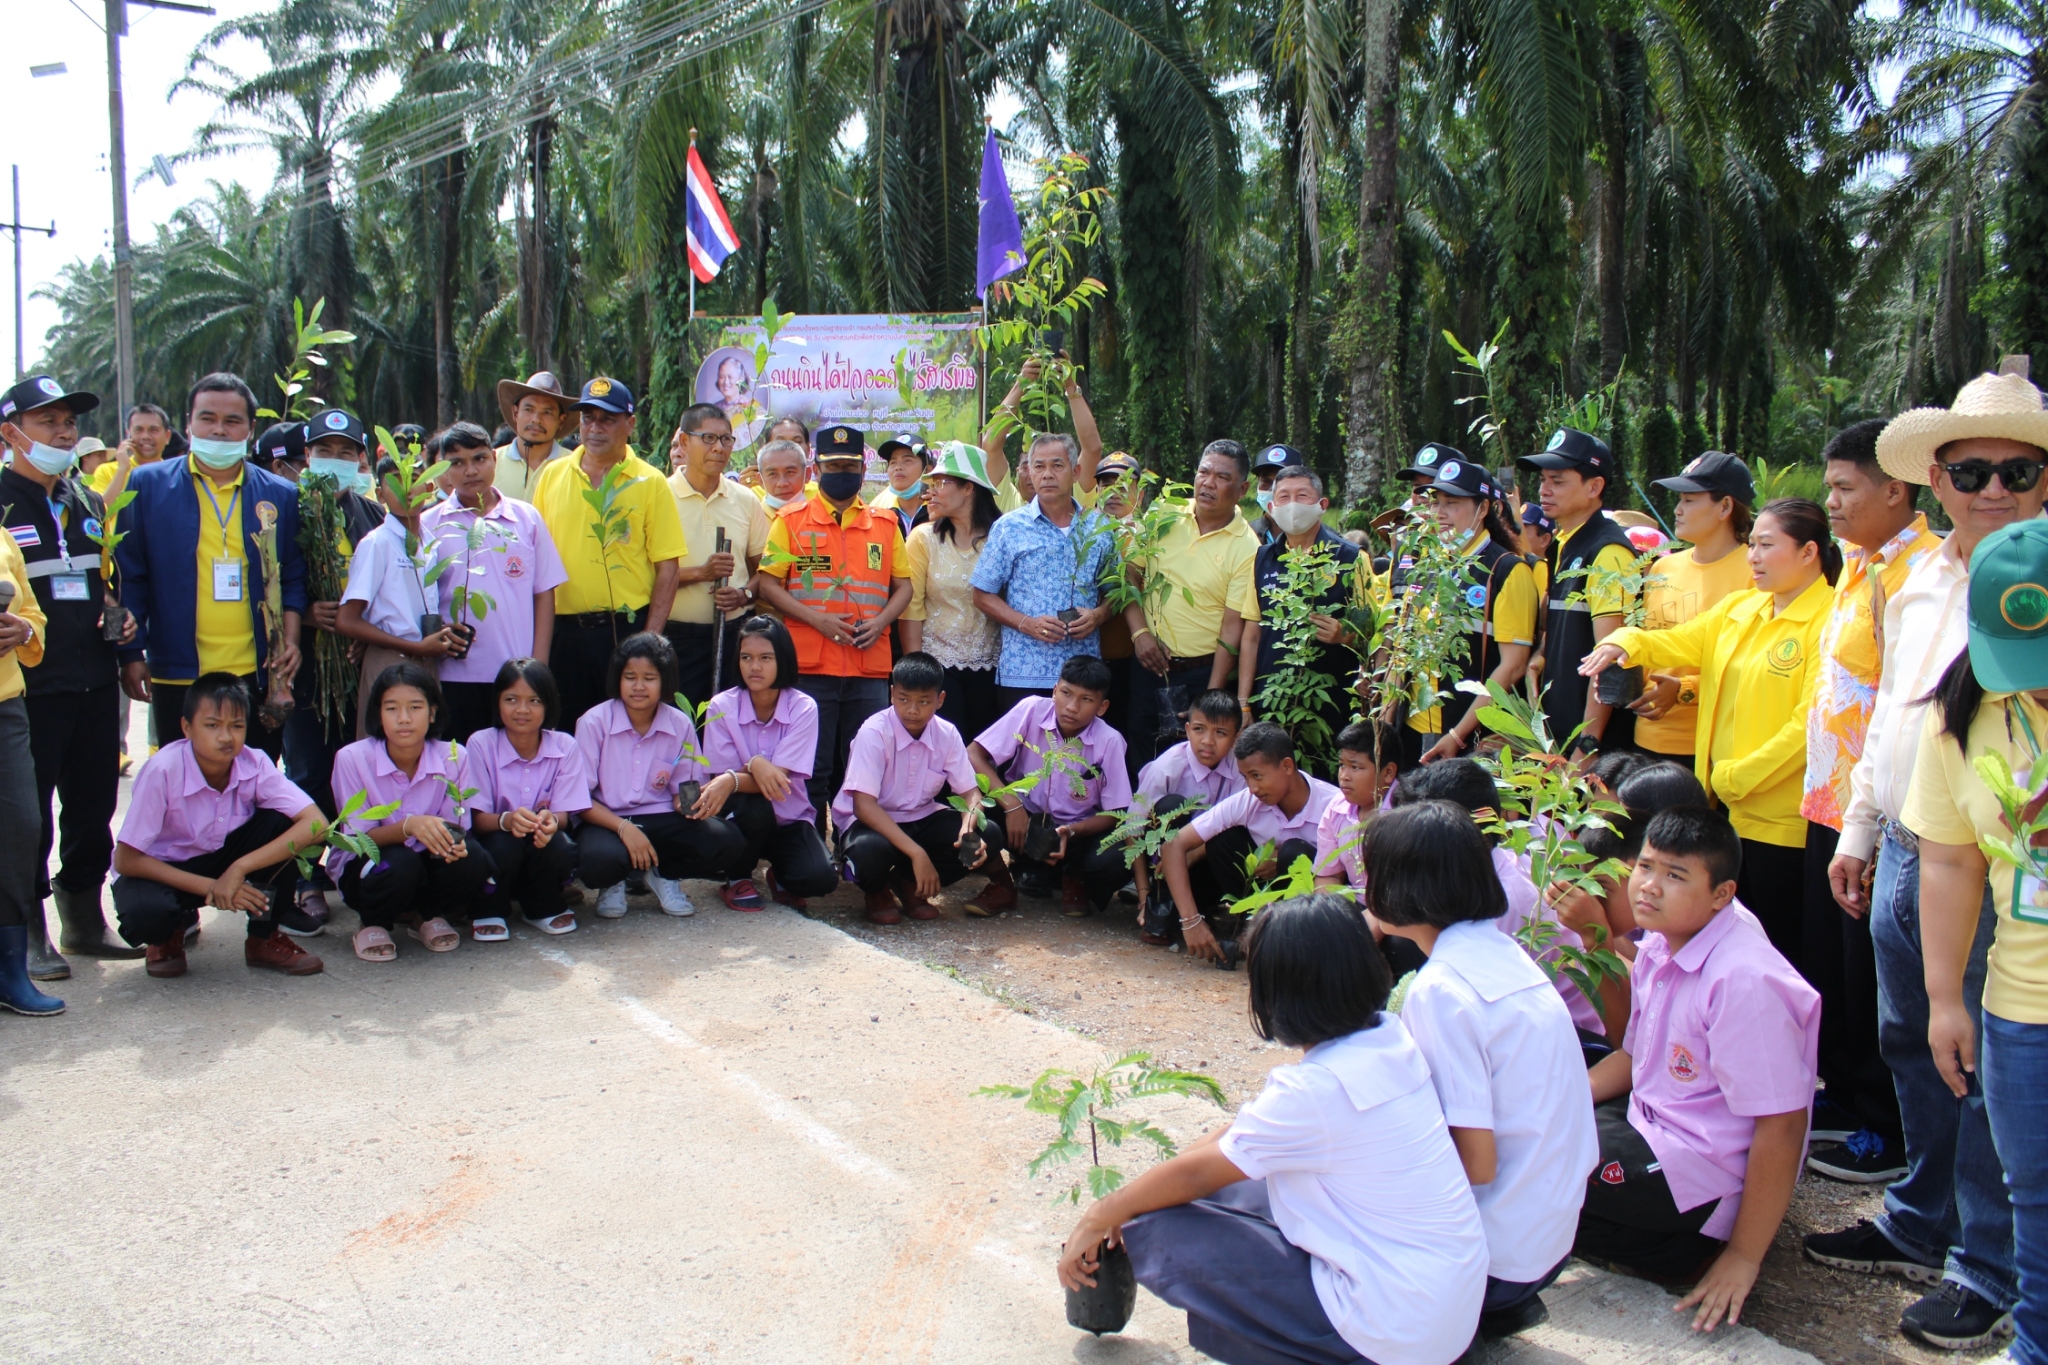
{"x":1431,"y":458}
{"x":1570,"y":448}
{"x":606,"y":395}
{"x":41,"y":391}
{"x":1716,"y":472}
{"x":842,"y":441}
{"x":1276,"y":457}
{"x":903,"y":441}
{"x":336,"y":422}
{"x":1534,"y":515}
{"x":1462,"y":479}
{"x":285,"y":441}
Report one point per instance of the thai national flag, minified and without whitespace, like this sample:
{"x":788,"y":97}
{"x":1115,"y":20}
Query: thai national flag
{"x":711,"y":238}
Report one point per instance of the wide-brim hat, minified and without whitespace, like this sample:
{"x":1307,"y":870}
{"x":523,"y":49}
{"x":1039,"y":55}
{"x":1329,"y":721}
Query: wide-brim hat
{"x":2009,"y":608}
{"x":959,"y":460}
{"x":541,"y":383}
{"x":2005,"y":406}
{"x":1628,"y":516}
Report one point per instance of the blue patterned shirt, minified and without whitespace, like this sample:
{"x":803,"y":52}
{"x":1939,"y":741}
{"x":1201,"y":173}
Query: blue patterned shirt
{"x":1031,"y":564}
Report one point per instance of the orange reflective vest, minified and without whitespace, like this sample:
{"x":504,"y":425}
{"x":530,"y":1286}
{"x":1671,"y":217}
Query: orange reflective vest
{"x":843,"y":571}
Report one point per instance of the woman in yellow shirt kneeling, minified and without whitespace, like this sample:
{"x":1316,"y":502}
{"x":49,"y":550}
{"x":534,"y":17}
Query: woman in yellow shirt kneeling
{"x":1756,"y":654}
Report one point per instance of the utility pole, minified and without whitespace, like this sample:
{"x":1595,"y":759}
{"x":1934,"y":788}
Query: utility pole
{"x":17,"y":227}
{"x":117,"y":168}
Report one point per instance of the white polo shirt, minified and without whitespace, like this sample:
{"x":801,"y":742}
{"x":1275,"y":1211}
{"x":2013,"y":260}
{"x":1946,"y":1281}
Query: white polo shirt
{"x":388,"y":584}
{"x":1362,"y":1176}
{"x":1503,"y":1055}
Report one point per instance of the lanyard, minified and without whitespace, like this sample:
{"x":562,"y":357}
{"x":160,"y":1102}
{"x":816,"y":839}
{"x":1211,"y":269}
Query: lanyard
{"x":218,"y":515}
{"x":57,"y":520}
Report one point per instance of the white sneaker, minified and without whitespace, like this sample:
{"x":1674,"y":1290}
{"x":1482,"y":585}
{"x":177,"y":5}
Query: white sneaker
{"x":674,"y":901}
{"x":611,"y":902}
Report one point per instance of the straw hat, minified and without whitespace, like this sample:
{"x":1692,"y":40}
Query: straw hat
{"x":2000,"y":405}
{"x":1628,"y":516}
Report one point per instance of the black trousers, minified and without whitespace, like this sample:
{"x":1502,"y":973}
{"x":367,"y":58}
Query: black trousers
{"x":972,"y":701}
{"x":794,"y":851}
{"x":1629,"y":1215}
{"x":1841,"y":964}
{"x":17,"y":813}
{"x":693,"y":644}
{"x":152,"y":912}
{"x":582,"y":655}
{"x":1773,"y":885}
{"x":409,"y":882}
{"x":1224,"y":856}
{"x":683,"y":849}
{"x":1158,"y":705}
{"x":465,"y":709}
{"x":532,"y":876}
{"x":1119,"y":717}
{"x":876,"y":861}
{"x":76,"y":739}
{"x":167,"y":712}
{"x":1098,"y":867}
{"x":1006,"y":701}
{"x":844,"y":705}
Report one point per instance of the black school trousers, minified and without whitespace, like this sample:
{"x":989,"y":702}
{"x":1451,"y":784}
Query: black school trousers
{"x":684,"y":849}
{"x":407,"y":882}
{"x":1097,"y":866}
{"x":532,"y":876}
{"x":1841,"y":964}
{"x":875,"y":862}
{"x":581,"y":658}
{"x":149,"y":912}
{"x":1629,"y":1215}
{"x":793,"y":850}
{"x":76,"y":740}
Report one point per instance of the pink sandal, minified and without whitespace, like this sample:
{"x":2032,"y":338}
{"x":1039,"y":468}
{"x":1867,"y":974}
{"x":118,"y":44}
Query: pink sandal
{"x":374,"y":945}
{"x":438,"y":934}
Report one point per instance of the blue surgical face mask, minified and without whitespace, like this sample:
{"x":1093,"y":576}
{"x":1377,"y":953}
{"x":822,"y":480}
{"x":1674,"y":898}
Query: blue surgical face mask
{"x":345,"y":473}
{"x":775,"y":504}
{"x":218,"y":454}
{"x":49,"y":459}
{"x":911,"y":491}
{"x":1265,"y":496}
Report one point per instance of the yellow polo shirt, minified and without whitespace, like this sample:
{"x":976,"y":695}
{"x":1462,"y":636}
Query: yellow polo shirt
{"x":745,"y":519}
{"x":25,"y":606}
{"x":514,"y":479}
{"x":1687,"y":589}
{"x":225,"y":631}
{"x":614,"y":577}
{"x":1216,"y":569}
{"x":1512,"y":615}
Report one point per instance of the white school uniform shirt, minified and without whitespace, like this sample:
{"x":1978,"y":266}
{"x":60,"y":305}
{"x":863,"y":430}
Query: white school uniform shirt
{"x":387,"y":583}
{"x":1362,"y":1176}
{"x":1503,"y":1055}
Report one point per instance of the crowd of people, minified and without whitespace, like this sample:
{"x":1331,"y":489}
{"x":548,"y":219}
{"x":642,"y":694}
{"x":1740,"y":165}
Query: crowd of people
{"x":543,"y":674}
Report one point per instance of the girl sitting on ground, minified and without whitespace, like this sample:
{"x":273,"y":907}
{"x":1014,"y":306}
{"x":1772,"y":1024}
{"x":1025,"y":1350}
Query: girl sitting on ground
{"x":427,"y":857}
{"x":761,"y":739}
{"x":529,"y":780}
{"x":638,"y":751}
{"x":1331,"y":1219}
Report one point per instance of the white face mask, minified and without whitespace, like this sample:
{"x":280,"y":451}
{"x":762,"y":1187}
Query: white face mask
{"x":49,"y":459}
{"x":216,"y":454}
{"x":1295,"y":517}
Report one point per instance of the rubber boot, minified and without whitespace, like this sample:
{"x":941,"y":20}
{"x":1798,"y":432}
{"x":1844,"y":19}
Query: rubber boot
{"x":17,"y":992}
{"x":43,"y":962}
{"x":85,"y":927}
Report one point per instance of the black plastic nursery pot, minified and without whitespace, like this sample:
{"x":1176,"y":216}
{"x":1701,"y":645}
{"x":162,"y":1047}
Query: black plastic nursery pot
{"x":430,"y":624}
{"x":1109,"y":1305}
{"x":1042,"y":840}
{"x":687,"y":794}
{"x":113,"y":622}
{"x":1620,"y":686}
{"x":1068,"y":615}
{"x":970,"y":848}
{"x":465,"y":635}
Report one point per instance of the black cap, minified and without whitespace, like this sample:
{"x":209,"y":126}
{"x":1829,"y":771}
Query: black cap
{"x":1534,"y":515}
{"x":337,"y":422}
{"x":1431,"y":458}
{"x":41,"y":391}
{"x":840,"y":441}
{"x":605,"y":395}
{"x":903,"y":441}
{"x":285,"y":441}
{"x":1716,"y":472}
{"x":1570,"y":448}
{"x":1463,"y":479}
{"x":1276,"y":457}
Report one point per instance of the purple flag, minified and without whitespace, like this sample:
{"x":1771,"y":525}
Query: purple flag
{"x":1002,"y":236}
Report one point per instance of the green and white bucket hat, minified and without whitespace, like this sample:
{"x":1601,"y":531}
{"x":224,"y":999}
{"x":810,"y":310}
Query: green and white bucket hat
{"x":959,"y":460}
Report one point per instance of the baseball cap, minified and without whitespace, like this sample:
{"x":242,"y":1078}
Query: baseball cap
{"x":606,"y":395}
{"x":1429,"y":459}
{"x":2009,"y":608}
{"x":1462,"y":479}
{"x":285,"y":441}
{"x":1570,"y":448}
{"x":1716,"y":472}
{"x":903,"y":441}
{"x":1276,"y":457}
{"x":1534,"y":515}
{"x":41,"y":391}
{"x":1115,"y":464}
{"x":337,"y":422}
{"x":840,"y":441}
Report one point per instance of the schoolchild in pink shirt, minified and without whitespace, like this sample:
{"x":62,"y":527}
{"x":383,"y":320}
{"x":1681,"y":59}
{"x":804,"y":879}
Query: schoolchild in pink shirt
{"x":528,"y":780}
{"x":898,"y":841}
{"x":760,"y":744}
{"x":639,"y":753}
{"x":1280,"y":806}
{"x":1703,"y":1111}
{"x":1085,"y":781}
{"x":1192,"y":776}
{"x":1363,"y":782}
{"x":428,"y":865}
{"x":211,"y":822}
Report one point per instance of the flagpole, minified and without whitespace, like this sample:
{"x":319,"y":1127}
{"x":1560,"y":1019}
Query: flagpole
{"x":690,"y":322}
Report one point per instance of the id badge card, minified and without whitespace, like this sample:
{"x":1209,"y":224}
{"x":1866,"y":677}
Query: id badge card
{"x":227,"y":580}
{"x":69,"y":587}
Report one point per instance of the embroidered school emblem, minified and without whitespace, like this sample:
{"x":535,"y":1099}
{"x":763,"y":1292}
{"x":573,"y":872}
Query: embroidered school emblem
{"x":335,"y":421}
{"x":600,"y":387}
{"x":661,"y":778}
{"x":1427,"y":457}
{"x":874,"y":555}
{"x":1682,"y":1066}
{"x":1611,"y":1173}
{"x":1556,"y":439}
{"x":515,"y":566}
{"x":2024,"y":606}
{"x":1785,"y":654}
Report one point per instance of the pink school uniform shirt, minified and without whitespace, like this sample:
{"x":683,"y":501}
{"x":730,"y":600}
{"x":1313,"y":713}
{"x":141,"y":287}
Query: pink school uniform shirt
{"x":734,"y":736}
{"x":1269,"y":823}
{"x":175,"y":814}
{"x":905,"y":775}
{"x":1177,"y":772}
{"x":516,"y":562}
{"x":1030,"y":731}
{"x":1340,"y":844}
{"x":632,"y":773}
{"x":365,"y":766}
{"x":1719,"y":1034}
{"x":553,"y":779}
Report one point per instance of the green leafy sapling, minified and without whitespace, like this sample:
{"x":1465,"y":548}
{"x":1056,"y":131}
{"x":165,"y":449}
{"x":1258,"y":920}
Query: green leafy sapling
{"x":1298,"y":694}
{"x":612,"y":525}
{"x":348,"y":833}
{"x":308,"y":336}
{"x":1074,"y":1099}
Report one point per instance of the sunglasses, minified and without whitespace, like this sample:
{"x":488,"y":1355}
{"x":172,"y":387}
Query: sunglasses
{"x":1970,"y":476}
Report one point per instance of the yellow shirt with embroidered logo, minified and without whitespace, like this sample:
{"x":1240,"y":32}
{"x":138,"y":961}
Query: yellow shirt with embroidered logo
{"x":1688,"y":588}
{"x":617,"y":577}
{"x":1216,"y":568}
{"x":225,"y":631}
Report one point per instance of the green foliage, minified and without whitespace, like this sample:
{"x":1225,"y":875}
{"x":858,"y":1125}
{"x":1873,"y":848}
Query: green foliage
{"x":1074,"y":1099}
{"x":1132,"y":574}
{"x":322,"y":529}
{"x":1789,"y":481}
{"x":465,"y":601}
{"x":458,"y":796}
{"x":1489,"y":404}
{"x":1143,"y":832}
{"x":349,"y":833}
{"x":612,"y":525}
{"x":1424,"y":638}
{"x":308,"y":336}
{"x":411,"y":484}
{"x":1286,"y":883}
{"x":2024,"y":851}
{"x":1630,"y":583}
{"x":1298,"y":694}
{"x":110,"y":536}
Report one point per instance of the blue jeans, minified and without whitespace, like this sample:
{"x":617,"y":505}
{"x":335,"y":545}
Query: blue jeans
{"x":2012,"y":1062}
{"x":1951,"y":1207}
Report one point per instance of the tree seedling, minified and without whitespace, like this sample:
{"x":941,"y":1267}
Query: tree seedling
{"x":341,"y":835}
{"x":1074,"y":1099}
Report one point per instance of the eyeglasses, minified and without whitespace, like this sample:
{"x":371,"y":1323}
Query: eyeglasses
{"x":728,"y":440}
{"x":1970,"y":476}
